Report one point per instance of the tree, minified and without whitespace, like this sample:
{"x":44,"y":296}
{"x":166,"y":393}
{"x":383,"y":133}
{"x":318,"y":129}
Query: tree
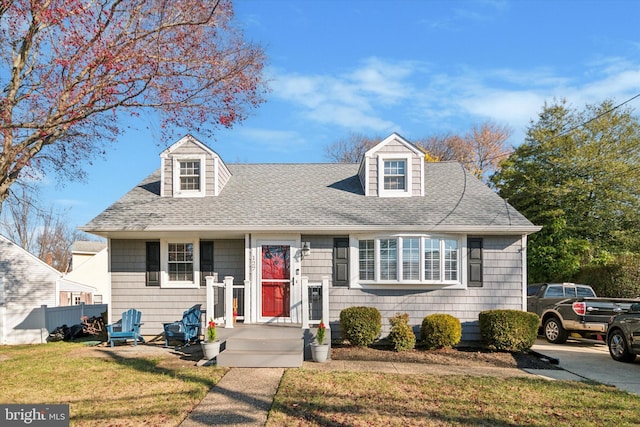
{"x":44,"y":232}
{"x":72,"y":68}
{"x":481,"y":150}
{"x":579,"y":178}
{"x":351,"y":149}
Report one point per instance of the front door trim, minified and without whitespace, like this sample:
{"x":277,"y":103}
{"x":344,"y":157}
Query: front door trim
{"x":294,"y":269}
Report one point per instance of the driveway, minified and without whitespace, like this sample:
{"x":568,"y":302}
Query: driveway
{"x":590,"y":360}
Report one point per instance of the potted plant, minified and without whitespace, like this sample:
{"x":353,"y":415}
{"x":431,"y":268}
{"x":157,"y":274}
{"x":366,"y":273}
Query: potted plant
{"x":211,"y":345}
{"x":320,"y":350}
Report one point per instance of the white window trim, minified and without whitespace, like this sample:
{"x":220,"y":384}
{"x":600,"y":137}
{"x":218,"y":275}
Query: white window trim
{"x":164,"y":264}
{"x":460,"y":283}
{"x":177,"y":192}
{"x":406,"y":157}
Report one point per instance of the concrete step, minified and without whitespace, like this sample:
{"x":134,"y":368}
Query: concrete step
{"x":260,"y":359}
{"x":255,"y":346}
{"x":271,"y":344}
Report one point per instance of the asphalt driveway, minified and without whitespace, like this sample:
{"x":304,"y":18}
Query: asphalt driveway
{"x":591,"y":361}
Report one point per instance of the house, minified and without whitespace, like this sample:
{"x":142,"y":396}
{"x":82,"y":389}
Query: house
{"x":393,"y":231}
{"x":88,"y":280}
{"x":26,"y":284}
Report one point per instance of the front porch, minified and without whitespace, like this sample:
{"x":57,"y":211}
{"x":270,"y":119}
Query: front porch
{"x":276,"y":342}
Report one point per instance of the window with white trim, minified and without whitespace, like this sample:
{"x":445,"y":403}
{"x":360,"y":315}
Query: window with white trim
{"x":410,"y":260}
{"x":190,"y":175}
{"x":366,"y":262}
{"x":395,"y":174}
{"x":180,"y":263}
{"x":388,"y":259}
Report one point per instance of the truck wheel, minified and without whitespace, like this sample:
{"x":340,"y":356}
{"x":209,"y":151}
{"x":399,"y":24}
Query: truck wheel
{"x":554,"y":332}
{"x":618,"y":348}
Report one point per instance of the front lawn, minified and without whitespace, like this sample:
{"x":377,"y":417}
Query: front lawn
{"x":314,"y":398}
{"x":103,"y":391}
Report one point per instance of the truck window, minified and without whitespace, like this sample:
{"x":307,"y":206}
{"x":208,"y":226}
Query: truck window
{"x":533,"y":290}
{"x":585,"y":292}
{"x":554,"y":292}
{"x":570,"y":291}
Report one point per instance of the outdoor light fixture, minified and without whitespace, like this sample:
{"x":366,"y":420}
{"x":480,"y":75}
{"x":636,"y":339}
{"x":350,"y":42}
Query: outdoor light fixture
{"x":306,"y":249}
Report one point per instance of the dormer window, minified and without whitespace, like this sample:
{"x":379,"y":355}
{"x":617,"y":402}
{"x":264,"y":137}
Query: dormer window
{"x":190,"y":175}
{"x":395,"y":174}
{"x":394,"y":177}
{"x":191,"y":169}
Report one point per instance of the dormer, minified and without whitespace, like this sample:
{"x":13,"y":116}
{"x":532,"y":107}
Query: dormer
{"x":191,"y":169}
{"x":393,"y":168}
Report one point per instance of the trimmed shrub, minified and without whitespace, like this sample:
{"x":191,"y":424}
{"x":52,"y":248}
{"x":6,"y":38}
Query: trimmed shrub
{"x":440,"y":331}
{"x":401,"y":336}
{"x":508,"y":330}
{"x":360,"y":326}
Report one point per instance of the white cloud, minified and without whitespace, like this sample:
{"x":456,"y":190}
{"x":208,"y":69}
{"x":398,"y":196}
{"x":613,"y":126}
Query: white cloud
{"x":380,"y":96}
{"x":355,"y":100}
{"x":271,"y":140}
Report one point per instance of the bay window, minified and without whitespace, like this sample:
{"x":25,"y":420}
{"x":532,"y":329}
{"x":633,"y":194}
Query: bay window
{"x":410,"y":260}
{"x":367,"y":267}
{"x":388,"y":259}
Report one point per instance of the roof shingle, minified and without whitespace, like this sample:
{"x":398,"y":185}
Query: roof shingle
{"x":305,"y":197}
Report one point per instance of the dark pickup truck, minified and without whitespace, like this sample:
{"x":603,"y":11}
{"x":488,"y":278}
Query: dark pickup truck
{"x":569,"y":309}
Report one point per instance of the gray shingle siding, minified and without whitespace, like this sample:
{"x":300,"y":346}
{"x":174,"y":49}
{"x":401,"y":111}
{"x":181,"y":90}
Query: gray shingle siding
{"x":159,"y":305}
{"x":502,"y":288}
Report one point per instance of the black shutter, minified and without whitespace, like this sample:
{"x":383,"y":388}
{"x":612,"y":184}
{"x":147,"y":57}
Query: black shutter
{"x":206,"y":260}
{"x":341,"y":261}
{"x":474,"y":248}
{"x":153,"y":263}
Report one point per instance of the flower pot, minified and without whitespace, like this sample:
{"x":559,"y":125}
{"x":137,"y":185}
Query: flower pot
{"x":211,"y":349}
{"x":320,"y":352}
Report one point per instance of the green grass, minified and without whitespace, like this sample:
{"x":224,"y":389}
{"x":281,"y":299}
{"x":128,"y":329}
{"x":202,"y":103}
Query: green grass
{"x":312,"y":398}
{"x":143,"y":391}
{"x":102,"y":391}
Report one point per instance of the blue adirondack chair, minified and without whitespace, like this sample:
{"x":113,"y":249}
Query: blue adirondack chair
{"x":186,"y":330}
{"x":126,"y":328}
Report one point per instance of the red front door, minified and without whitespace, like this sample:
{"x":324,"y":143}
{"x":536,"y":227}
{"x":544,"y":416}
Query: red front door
{"x":276,"y":280}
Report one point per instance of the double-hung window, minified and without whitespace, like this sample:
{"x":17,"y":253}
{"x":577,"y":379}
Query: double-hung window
{"x":367,"y":265}
{"x":395,"y":174}
{"x":180,"y":263}
{"x":189,"y":176}
{"x":420,"y":260}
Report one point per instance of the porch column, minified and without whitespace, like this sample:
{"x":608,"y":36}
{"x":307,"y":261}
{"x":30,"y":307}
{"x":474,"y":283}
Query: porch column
{"x":325,"y":299}
{"x":305,"y":302}
{"x":209,"y":302}
{"x":228,"y":301}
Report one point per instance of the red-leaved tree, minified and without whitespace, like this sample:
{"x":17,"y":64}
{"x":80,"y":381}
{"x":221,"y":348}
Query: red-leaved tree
{"x":71,"y":70}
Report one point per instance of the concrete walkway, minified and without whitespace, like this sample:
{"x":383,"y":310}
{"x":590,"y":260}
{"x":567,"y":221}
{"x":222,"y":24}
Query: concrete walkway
{"x":242,"y":397}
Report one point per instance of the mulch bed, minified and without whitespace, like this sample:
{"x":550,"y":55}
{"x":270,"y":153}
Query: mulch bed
{"x":451,"y":356}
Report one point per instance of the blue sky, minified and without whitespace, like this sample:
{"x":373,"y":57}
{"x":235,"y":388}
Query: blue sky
{"x":419,"y":68}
